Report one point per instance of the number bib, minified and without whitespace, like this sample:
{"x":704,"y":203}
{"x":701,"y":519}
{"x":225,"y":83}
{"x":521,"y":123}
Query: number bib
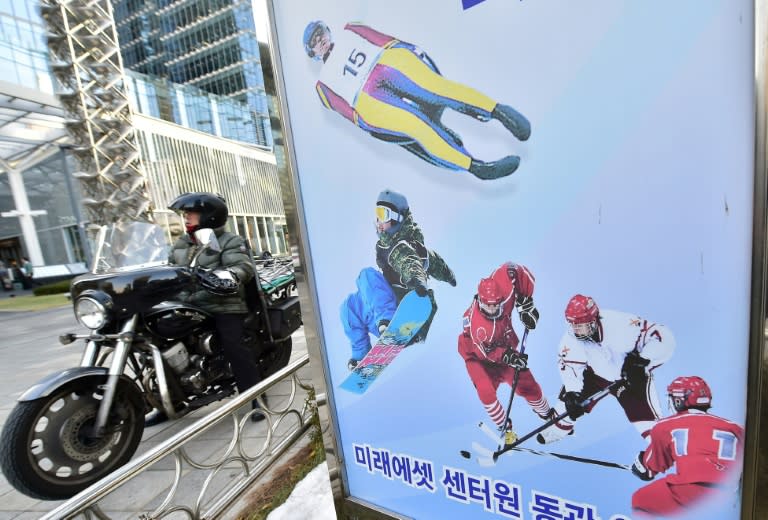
{"x":349,"y":64}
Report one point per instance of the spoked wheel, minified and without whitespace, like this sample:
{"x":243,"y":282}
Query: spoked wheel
{"x":48,"y":449}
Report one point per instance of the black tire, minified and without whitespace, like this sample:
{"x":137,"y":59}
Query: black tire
{"x":277,"y":356}
{"x":45,"y":449}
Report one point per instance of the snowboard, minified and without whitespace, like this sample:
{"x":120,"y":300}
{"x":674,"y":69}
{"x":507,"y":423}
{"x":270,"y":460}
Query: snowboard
{"x":410,"y":316}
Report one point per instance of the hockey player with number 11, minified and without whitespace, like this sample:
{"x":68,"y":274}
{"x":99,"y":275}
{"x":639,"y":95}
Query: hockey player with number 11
{"x":601,"y":347}
{"x":705,"y":450}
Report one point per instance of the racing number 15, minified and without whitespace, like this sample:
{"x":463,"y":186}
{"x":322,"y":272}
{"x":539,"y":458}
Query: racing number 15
{"x":355,"y":58}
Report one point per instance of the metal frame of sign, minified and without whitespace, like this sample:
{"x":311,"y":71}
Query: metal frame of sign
{"x":755,"y":473}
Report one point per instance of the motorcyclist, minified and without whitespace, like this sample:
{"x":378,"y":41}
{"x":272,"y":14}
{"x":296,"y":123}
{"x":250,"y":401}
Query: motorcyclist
{"x":222,"y":288}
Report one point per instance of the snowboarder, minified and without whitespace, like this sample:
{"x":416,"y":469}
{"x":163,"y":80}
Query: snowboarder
{"x":393,"y":90}
{"x":404,"y":264}
{"x":600,"y":347}
{"x":705,"y":450}
{"x":489,"y":345}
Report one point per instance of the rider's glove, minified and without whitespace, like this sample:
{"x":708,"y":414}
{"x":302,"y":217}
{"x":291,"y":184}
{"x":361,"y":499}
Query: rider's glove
{"x":222,"y":282}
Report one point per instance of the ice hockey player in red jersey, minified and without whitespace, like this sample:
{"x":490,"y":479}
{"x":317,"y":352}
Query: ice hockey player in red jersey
{"x":705,"y":450}
{"x":489,"y":345}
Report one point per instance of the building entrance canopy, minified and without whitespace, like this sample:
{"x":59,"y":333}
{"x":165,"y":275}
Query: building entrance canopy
{"x":31,"y":125}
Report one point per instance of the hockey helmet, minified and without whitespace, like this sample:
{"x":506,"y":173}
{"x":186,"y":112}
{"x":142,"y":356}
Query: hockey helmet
{"x":582,"y":314}
{"x":489,"y":298}
{"x":313,"y":32}
{"x":391,"y":206}
{"x":689,"y":392}
{"x":211,"y":207}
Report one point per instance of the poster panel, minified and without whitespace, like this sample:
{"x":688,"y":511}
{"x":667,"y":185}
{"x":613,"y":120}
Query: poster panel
{"x":552,"y":196}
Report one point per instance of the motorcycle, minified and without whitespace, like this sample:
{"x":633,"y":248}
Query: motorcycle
{"x":145,"y":350}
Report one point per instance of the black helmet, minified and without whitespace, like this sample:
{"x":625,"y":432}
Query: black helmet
{"x":212,"y":208}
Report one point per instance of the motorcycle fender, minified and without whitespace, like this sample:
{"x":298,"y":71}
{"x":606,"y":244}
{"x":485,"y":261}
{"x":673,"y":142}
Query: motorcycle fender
{"x":51,"y":382}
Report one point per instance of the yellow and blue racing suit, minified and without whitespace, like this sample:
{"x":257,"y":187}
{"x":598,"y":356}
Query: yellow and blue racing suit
{"x":394,"y":91}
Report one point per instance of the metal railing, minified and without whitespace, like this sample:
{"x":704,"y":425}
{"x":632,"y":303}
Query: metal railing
{"x":220,"y":486}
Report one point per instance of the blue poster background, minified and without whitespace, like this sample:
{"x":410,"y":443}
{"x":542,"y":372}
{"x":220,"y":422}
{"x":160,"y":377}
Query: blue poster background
{"x":635,"y":188}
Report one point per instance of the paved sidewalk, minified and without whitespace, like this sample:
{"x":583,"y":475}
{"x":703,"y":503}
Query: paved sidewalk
{"x":31,"y":350}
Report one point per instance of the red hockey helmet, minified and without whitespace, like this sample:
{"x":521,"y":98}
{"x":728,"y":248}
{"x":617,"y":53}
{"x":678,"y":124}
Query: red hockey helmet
{"x":689,"y":392}
{"x":582,"y":313}
{"x":489,"y":298}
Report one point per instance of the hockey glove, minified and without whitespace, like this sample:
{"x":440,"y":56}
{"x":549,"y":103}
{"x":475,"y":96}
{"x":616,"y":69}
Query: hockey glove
{"x":529,"y":314}
{"x":515,"y":360}
{"x":573,"y":405}
{"x":221,"y":282}
{"x":634,"y":370}
{"x":639,"y":470}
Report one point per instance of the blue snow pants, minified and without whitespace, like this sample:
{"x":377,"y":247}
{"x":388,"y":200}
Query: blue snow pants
{"x":362,"y":310}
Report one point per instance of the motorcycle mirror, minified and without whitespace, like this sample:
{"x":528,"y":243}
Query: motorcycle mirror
{"x":207,"y":239}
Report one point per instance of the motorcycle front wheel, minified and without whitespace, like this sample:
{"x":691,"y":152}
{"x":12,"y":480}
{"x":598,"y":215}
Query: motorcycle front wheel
{"x":48,"y":450}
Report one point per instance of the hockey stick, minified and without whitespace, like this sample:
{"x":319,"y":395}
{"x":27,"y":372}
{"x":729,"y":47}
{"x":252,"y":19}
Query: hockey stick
{"x":584,"y":404}
{"x":487,"y":460}
{"x":516,"y":379}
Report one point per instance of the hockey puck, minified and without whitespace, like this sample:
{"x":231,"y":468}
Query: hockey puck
{"x":465,"y":454}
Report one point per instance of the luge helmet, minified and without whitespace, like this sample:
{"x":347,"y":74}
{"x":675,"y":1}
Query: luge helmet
{"x":212,"y":208}
{"x":312,"y":33}
{"x":489,"y":298}
{"x":582,"y":314}
{"x":689,"y":392}
{"x":391,"y":206}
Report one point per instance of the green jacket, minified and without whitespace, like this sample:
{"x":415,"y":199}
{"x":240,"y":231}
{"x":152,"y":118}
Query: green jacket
{"x":233,"y":256}
{"x":403,"y":258}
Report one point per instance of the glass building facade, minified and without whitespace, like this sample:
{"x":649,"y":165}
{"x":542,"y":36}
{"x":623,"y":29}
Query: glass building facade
{"x":207,"y":44}
{"x":193,"y":108}
{"x":23,"y":53}
{"x":48,"y":186}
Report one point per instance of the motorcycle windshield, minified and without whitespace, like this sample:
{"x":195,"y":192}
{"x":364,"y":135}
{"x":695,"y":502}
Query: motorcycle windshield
{"x":131,"y":245}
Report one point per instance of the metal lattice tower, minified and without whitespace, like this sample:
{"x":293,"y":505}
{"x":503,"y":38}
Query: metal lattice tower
{"x":85,"y":59}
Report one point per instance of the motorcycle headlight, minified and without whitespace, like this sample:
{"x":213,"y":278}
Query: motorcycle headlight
{"x":90,"y":313}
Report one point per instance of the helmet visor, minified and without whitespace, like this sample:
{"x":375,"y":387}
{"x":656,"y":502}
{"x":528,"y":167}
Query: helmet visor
{"x":385,"y":214}
{"x":582,"y":330}
{"x":492,"y":310}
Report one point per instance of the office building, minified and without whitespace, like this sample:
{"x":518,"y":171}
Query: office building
{"x":210,"y":45}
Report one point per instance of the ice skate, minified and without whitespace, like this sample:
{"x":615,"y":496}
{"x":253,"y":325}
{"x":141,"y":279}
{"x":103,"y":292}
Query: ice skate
{"x":495,"y":169}
{"x":510,"y":437}
{"x":513,"y":121}
{"x":555,"y":432}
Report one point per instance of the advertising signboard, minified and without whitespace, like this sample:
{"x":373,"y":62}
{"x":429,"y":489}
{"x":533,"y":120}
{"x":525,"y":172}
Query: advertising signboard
{"x":552,"y":197}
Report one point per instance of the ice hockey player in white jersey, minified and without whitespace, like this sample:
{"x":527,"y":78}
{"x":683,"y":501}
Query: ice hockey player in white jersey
{"x":600,"y":347}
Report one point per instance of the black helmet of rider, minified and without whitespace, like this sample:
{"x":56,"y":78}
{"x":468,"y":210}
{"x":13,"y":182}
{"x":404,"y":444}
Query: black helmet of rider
{"x":211,"y":207}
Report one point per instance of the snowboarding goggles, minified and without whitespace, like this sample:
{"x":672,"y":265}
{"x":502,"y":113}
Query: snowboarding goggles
{"x":385,"y":214}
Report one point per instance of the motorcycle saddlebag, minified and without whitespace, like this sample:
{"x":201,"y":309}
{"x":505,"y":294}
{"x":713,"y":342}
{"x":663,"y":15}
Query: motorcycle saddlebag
{"x":285,"y":317}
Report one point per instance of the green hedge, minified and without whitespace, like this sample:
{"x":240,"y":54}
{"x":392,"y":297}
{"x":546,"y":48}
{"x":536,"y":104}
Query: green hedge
{"x":52,"y":288}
